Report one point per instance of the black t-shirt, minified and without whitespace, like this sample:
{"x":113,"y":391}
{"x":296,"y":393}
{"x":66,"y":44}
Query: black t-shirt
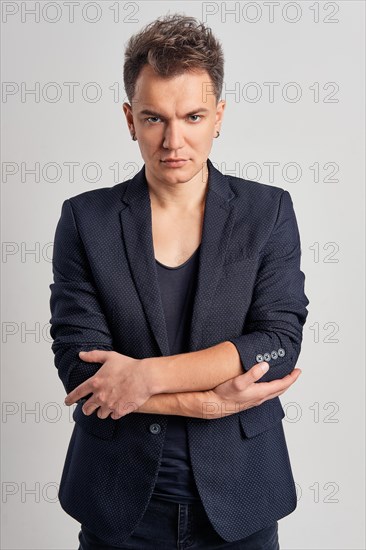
{"x":177,"y":287}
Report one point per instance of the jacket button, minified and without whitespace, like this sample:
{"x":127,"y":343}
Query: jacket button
{"x":267,"y":357}
{"x":281,"y":352}
{"x":259,"y":358}
{"x":274,"y":354}
{"x":155,"y":428}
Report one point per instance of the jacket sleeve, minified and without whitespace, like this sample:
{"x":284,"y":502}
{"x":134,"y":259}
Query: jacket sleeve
{"x":274,"y":323}
{"x":77,"y":320}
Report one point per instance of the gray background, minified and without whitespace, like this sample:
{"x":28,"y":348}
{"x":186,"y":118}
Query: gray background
{"x":318,"y":46}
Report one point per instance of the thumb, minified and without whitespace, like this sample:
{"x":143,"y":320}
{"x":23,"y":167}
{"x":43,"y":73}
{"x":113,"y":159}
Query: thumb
{"x":94,"y":356}
{"x":243,"y":381}
{"x":259,"y":370}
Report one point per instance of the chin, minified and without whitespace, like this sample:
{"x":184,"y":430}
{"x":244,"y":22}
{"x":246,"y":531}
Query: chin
{"x":177,"y":178}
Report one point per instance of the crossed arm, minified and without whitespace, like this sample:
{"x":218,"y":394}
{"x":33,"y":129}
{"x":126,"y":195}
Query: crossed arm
{"x":204,"y":384}
{"x":223,"y":375}
{"x":202,"y":369}
{"x":219,"y":367}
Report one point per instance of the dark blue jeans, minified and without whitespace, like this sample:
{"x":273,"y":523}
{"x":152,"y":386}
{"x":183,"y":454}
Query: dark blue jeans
{"x":172,"y":526}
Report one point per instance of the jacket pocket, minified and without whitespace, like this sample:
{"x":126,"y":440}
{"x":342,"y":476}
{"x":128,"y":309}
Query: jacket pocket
{"x":103,"y":428}
{"x":258,"y":419}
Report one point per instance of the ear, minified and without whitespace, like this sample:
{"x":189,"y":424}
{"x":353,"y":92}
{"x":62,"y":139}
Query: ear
{"x":127,"y":109}
{"x":220,"y":109}
{"x":219,"y":113}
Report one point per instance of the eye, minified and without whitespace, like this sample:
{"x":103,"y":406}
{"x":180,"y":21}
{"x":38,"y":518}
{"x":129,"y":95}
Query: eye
{"x":151,"y":117}
{"x":196,"y":115}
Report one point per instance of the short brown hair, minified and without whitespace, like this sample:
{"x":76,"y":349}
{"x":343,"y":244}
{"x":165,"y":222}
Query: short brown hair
{"x":171,"y":45}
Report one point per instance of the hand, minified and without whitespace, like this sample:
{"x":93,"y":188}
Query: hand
{"x":119,"y":385}
{"x":241,"y":392}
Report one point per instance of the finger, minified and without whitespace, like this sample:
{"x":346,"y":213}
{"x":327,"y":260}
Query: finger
{"x":257,"y":371}
{"x":121,"y":410}
{"x":295,"y":373}
{"x":78,"y":392}
{"x":290,"y":378}
{"x":94,"y":355}
{"x":278,"y":393}
{"x":275,"y":387}
{"x":90,"y":406}
{"x":242,"y":381}
{"x":104,"y":412}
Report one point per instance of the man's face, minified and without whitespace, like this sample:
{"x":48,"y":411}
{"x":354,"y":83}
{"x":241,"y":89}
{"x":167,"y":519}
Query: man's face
{"x":174,"y":118}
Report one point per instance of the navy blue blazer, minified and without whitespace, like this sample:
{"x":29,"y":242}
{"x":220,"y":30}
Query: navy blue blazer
{"x":105,"y":295}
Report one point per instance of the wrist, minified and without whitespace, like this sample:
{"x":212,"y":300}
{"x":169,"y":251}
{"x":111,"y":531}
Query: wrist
{"x":151,"y":373}
{"x":210,"y":408}
{"x":193,"y":404}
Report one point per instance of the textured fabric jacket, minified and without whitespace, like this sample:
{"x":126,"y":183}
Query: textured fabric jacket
{"x":105,"y":295}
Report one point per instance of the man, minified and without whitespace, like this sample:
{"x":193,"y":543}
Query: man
{"x":183,"y":287}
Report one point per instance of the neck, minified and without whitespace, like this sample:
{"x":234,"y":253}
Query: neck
{"x":187,"y":195}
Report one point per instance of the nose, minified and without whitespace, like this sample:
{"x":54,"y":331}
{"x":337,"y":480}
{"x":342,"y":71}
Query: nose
{"x":173,"y":136}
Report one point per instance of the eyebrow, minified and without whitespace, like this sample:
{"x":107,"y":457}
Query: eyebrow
{"x":154,"y":113}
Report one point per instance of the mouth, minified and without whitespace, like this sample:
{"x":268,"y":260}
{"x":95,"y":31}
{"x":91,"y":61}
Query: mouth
{"x":174,"y":163}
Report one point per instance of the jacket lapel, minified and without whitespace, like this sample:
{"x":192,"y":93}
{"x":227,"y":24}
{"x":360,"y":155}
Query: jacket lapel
{"x":136,"y":220}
